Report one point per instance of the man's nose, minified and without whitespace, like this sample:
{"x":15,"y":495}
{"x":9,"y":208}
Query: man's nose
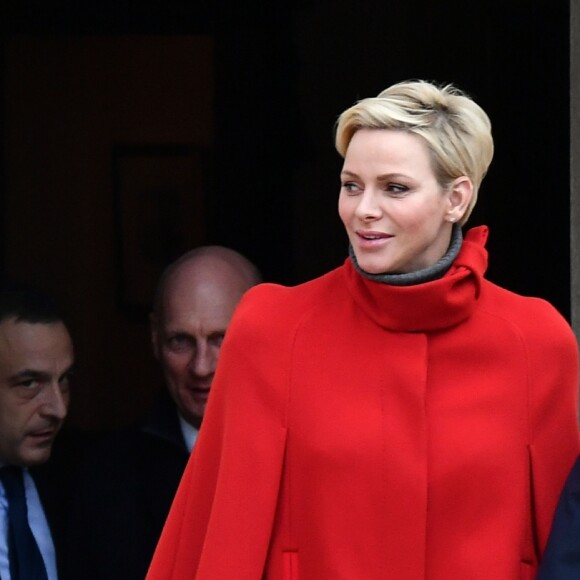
{"x":55,"y":403}
{"x":202,"y":362}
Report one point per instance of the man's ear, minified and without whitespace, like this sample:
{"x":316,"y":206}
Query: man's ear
{"x":459,"y":198}
{"x":154,"y":333}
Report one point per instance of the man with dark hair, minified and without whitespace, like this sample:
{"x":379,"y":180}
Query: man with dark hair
{"x":127,"y":484}
{"x":36,"y":360}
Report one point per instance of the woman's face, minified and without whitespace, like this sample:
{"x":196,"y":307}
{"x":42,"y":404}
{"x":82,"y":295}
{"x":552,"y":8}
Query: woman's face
{"x":395,"y":213}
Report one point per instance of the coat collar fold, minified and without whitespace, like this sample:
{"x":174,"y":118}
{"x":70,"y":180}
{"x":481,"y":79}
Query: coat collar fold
{"x":430,"y":306}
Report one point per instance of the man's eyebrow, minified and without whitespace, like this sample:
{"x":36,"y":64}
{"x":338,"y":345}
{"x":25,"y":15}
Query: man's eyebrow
{"x":70,"y":371}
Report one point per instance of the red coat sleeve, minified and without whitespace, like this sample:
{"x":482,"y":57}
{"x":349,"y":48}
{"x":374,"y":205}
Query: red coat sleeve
{"x":220,"y":523}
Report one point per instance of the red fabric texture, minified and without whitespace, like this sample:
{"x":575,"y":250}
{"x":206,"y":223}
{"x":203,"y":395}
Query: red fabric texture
{"x":360,"y":431}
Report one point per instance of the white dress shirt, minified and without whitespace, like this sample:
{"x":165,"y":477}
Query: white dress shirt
{"x":189,"y":432}
{"x":38,"y":525}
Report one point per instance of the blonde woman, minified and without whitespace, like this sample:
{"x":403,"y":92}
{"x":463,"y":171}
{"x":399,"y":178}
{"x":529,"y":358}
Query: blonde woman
{"x":400,"y":417}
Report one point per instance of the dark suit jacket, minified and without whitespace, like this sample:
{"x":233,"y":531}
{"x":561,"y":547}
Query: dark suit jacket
{"x":122,"y":494}
{"x":561,"y":559}
{"x":53,"y":482}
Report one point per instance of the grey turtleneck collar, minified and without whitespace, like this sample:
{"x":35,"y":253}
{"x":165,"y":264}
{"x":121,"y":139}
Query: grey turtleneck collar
{"x":420,"y":276}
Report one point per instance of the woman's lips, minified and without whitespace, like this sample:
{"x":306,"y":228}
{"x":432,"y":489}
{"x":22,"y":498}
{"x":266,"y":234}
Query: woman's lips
{"x":371,"y":239}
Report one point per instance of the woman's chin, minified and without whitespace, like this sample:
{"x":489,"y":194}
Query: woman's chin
{"x":372,"y":267}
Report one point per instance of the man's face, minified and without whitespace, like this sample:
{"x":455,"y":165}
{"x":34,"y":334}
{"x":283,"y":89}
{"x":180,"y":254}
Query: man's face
{"x":187,"y":337}
{"x":35,"y":364}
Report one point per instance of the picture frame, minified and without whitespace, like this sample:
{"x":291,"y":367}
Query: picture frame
{"x":159,"y":197}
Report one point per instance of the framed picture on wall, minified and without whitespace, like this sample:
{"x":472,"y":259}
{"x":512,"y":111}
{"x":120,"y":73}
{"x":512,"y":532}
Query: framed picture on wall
{"x":159,"y":196}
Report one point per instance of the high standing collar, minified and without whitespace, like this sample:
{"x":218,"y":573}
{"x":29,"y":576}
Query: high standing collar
{"x":433,"y":272}
{"x":428,"y":306}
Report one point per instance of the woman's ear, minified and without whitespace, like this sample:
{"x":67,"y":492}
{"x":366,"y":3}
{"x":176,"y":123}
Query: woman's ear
{"x":459,"y":197}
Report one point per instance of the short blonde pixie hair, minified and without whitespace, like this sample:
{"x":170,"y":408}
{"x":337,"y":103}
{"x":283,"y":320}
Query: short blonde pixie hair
{"x":457,"y":130}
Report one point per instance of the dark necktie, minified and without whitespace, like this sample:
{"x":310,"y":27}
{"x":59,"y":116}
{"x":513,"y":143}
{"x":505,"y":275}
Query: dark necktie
{"x":25,"y":559}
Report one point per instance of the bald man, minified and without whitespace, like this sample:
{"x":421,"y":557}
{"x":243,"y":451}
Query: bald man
{"x":195,"y":301}
{"x":126,"y":487}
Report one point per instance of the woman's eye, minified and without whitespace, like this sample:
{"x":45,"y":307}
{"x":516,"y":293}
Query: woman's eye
{"x":350,"y":187}
{"x":397,"y":188}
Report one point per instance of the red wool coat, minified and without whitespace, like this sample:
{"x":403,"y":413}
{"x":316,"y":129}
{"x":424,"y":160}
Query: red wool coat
{"x":361,"y":431}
